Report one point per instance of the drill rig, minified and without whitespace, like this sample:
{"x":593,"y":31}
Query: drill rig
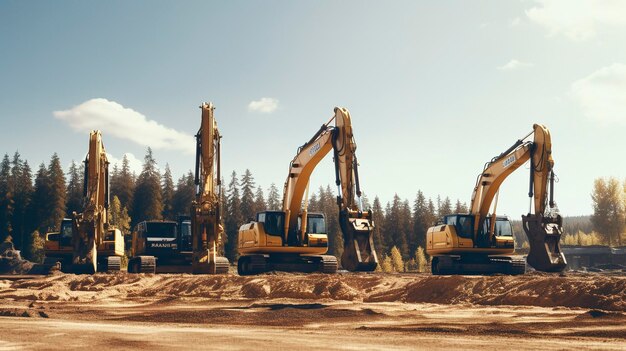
{"x":206,"y":227}
{"x":92,"y":238}
{"x":480,"y":243}
{"x":294,"y":239}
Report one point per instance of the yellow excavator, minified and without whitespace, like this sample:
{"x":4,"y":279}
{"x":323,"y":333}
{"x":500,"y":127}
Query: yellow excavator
{"x":294,"y":239}
{"x":93,"y":244}
{"x":191,"y":244}
{"x":206,"y":220}
{"x":482,"y":243}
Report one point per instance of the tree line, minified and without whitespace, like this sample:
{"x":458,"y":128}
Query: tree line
{"x":609,"y":211}
{"x":33,"y":204}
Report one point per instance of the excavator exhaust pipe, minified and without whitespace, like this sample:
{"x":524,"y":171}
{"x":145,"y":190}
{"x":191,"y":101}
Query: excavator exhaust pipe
{"x":544,"y":235}
{"x":358,"y":254}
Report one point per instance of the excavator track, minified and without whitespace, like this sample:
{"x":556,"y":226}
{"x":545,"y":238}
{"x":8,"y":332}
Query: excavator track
{"x":328,"y":264}
{"x":251,"y":265}
{"x":478,"y":265}
{"x":142,"y":264}
{"x":113,"y":264}
{"x":257,"y":264}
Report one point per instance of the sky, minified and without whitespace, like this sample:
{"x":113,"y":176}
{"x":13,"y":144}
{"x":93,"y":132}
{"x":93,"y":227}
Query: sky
{"x":435,"y":88}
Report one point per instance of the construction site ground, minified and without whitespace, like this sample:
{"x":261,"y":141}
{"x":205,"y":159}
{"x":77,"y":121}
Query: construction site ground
{"x":344,"y":311}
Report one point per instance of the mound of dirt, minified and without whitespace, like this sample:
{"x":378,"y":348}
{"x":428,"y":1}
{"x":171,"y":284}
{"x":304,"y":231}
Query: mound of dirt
{"x":578,"y":290}
{"x":11,"y":261}
{"x":603,"y":292}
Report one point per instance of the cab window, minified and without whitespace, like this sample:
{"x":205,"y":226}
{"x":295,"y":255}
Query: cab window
{"x":464,"y":225}
{"x":316,"y":225}
{"x":66,"y":229}
{"x":273,"y":222}
{"x":503,"y":227}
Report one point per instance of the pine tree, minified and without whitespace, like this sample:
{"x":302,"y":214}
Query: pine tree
{"x":445,"y":207}
{"x":147,"y":203}
{"x":386,"y":264}
{"x":331,"y":211}
{"x":460,"y":207}
{"x":6,"y":199}
{"x":247,"y":196}
{"x":183,"y":195}
{"x":273,"y":198}
{"x":123,"y":183}
{"x":37,"y":209}
{"x":421,"y":260}
{"x":395,"y":226}
{"x":57,"y":194}
{"x":389,"y":243}
{"x":167,"y":194}
{"x":379,"y":225}
{"x":23,"y":193}
{"x":420,"y":221}
{"x":118,"y":216}
{"x":233,"y":218}
{"x":259,"y":200}
{"x":314,"y":203}
{"x":431,"y":215}
{"x":34,"y":249}
{"x":406,"y":228}
{"x":396,"y":260}
{"x":74,"y":196}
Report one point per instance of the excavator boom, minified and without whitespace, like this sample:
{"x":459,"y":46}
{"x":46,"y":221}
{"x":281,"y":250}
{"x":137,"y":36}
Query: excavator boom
{"x":206,"y":228}
{"x":545,"y":227}
{"x":90,"y":226}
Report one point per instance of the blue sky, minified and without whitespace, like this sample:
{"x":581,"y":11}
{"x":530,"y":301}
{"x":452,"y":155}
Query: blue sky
{"x":435,"y":89}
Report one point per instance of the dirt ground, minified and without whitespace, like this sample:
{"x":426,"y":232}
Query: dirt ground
{"x":314,"y":312}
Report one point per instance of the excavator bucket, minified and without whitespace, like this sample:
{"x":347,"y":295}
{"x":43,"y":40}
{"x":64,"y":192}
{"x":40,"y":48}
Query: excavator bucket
{"x":358,"y":254}
{"x":85,"y":258}
{"x":544,"y":234}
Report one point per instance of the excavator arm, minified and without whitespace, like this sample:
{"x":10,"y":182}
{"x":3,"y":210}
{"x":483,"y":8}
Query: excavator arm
{"x":89,"y":226}
{"x":206,"y":228}
{"x":356,"y":225}
{"x":543,"y":230}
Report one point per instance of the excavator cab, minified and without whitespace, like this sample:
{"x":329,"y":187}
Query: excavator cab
{"x":61,"y":239}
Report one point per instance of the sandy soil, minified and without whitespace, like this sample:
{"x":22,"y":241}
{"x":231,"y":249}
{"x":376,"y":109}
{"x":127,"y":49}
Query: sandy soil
{"x":298,"y":311}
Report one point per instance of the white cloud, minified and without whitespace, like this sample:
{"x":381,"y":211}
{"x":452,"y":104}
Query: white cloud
{"x":513,"y":65}
{"x":602,"y":94}
{"x":515,"y":22}
{"x":579,"y":19}
{"x":135,"y":164}
{"x":116,"y":120}
{"x":263,"y":105}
